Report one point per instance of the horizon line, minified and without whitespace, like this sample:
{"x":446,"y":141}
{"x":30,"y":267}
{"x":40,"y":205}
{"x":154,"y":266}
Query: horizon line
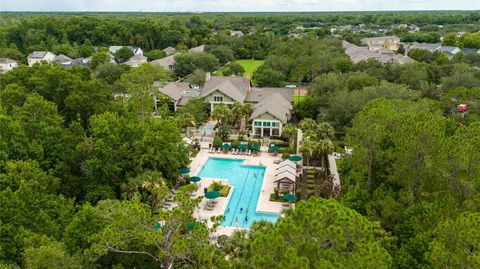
{"x":227,"y":11}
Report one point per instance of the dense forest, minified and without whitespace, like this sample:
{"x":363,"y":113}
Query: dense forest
{"x":84,"y":173}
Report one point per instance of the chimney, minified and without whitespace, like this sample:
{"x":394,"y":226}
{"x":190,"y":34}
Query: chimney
{"x":247,"y":80}
{"x":207,"y":76}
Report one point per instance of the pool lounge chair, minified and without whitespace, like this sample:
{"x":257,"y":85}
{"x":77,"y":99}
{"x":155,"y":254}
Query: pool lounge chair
{"x":234,"y":151}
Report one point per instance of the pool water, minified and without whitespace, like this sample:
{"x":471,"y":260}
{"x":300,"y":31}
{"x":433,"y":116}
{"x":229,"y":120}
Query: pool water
{"x":247,"y":182}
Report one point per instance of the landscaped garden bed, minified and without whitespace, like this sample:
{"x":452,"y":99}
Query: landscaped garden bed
{"x":218,"y":186}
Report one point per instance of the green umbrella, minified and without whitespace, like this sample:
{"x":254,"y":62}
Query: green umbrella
{"x":184,"y":170}
{"x":227,"y":146}
{"x":295,"y":158}
{"x":195,"y":179}
{"x":255,"y":147}
{"x":157,"y":226}
{"x":290,"y":197}
{"x":243,"y":146}
{"x":274,"y":148}
{"x":212,"y":194}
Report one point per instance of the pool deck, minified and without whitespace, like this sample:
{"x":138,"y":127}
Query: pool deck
{"x":268,"y":185}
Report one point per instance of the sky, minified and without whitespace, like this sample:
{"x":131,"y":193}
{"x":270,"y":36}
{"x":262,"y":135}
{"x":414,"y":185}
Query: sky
{"x":235,"y":5}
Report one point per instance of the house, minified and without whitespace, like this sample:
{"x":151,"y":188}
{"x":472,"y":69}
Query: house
{"x":449,"y":51}
{"x":135,"y":50}
{"x":166,"y":63}
{"x":270,"y":114}
{"x":83,"y":62}
{"x":388,"y":42}
{"x":136,"y":61}
{"x":426,"y":46}
{"x":413,"y":28}
{"x":226,"y":90}
{"x":236,"y":33}
{"x":200,"y":48}
{"x":169,"y":50}
{"x":39,"y":56}
{"x":7,"y":65}
{"x":177,"y":93}
{"x":467,"y":51}
{"x":381,"y":54}
{"x":63,"y":59}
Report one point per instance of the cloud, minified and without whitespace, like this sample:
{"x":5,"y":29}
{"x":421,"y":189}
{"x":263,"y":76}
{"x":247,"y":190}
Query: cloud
{"x":235,"y":5}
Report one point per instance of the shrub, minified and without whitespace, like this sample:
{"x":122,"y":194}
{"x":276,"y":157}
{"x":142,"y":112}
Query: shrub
{"x":285,"y":153}
{"x":224,"y":133}
{"x":218,"y":186}
{"x":235,"y":144}
{"x":217,"y":142}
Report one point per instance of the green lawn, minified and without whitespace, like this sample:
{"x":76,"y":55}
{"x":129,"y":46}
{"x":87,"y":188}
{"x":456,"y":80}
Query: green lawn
{"x":249,"y":65}
{"x":298,"y":98}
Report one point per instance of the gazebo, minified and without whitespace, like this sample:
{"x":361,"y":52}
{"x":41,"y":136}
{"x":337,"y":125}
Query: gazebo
{"x":286,"y":181}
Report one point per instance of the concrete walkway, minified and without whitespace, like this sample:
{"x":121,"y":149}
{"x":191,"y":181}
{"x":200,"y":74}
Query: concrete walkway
{"x":332,"y":164}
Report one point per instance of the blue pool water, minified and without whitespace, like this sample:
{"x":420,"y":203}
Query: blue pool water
{"x":247,"y":182}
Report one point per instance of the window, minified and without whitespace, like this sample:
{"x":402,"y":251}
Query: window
{"x":275,"y":132}
{"x":276,"y":124}
{"x":258,"y":131}
{"x":217,"y":98}
{"x":266,"y":123}
{"x":257,"y":123}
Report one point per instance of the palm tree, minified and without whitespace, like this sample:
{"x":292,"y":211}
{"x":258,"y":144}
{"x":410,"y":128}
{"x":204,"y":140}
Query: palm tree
{"x":185,"y":120}
{"x":289,"y":131}
{"x":221,"y":113}
{"x":308,"y":124}
{"x":324,"y":147}
{"x":237,"y":112}
{"x":325,"y":130}
{"x":307,"y":148}
{"x":247,"y":110}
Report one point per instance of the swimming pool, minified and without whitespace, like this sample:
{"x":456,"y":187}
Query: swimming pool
{"x":247,"y":182}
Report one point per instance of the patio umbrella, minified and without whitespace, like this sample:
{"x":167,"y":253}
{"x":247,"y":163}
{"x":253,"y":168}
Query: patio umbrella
{"x":274,"y":148}
{"x":212,"y":194}
{"x":195,"y":179}
{"x":227,"y":146}
{"x":290,"y":198}
{"x":295,"y":158}
{"x":255,"y":147}
{"x":184,"y":170}
{"x":243,"y":146}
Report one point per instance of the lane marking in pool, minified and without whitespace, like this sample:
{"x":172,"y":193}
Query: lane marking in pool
{"x":243,"y":188}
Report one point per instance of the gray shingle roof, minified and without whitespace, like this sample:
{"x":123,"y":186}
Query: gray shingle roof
{"x":136,"y":60}
{"x":255,"y":95}
{"x":275,"y":105}
{"x":358,"y":54}
{"x":6,"y":61}
{"x":173,"y":89}
{"x":380,"y":39}
{"x":62,"y":58}
{"x":164,"y":62}
{"x":38,"y":54}
{"x":169,"y":50}
{"x":426,"y":46}
{"x":233,"y":87}
{"x":200,"y":48}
